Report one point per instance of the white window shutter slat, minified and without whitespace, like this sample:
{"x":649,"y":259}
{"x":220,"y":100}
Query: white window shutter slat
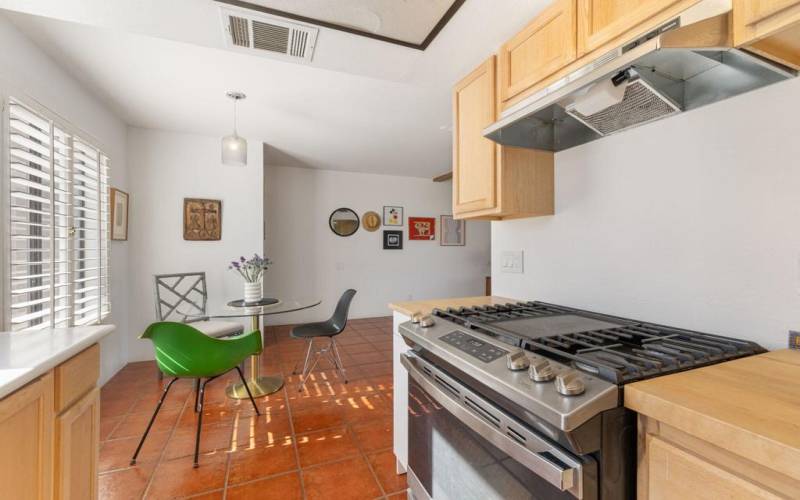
{"x":58,"y":222}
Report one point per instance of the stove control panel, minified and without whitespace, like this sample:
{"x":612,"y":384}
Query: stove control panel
{"x":476,"y":348}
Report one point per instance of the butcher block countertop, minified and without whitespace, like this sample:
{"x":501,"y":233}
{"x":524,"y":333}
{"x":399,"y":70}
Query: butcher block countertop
{"x":749,"y":406}
{"x":426,"y":306}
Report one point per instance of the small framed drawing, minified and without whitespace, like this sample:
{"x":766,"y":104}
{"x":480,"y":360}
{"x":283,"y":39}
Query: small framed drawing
{"x":392,"y":216}
{"x":454,"y":232}
{"x":422,"y":228}
{"x":202,"y":219}
{"x":393,"y":240}
{"x":119,"y":215}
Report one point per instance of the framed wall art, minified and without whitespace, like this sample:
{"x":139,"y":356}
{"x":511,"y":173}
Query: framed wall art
{"x":392,"y":216}
{"x":422,"y":228}
{"x":393,"y":240}
{"x":454,"y":232}
{"x":119,"y":215}
{"x":202,"y":219}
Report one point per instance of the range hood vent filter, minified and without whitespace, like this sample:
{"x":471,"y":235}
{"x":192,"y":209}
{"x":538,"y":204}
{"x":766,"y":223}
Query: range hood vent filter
{"x":640,"y":104}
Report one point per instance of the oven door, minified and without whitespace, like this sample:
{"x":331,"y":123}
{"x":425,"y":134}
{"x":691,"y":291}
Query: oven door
{"x":462,"y":446}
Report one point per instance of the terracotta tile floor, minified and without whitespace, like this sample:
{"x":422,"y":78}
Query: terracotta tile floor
{"x":332,"y":440}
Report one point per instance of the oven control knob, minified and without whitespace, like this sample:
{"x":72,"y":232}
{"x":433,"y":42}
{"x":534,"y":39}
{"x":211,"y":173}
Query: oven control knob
{"x":517,"y":360}
{"x":426,"y":321}
{"x":541,"y":371}
{"x":570,"y":383}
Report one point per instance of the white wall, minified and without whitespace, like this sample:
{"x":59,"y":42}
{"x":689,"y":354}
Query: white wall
{"x":693,"y":221}
{"x":169,"y":167}
{"x":27,"y":72}
{"x":311,"y":261}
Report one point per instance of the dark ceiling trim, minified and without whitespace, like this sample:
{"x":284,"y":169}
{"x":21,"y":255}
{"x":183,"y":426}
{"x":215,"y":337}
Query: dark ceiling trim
{"x":353,"y":31}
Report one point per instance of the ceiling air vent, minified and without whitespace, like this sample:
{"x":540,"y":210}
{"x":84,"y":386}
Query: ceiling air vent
{"x":268,"y":36}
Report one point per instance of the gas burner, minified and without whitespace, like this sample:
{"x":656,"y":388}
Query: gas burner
{"x":615,"y":349}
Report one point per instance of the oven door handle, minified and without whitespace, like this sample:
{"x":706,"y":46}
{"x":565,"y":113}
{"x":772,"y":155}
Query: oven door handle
{"x":566,"y":477}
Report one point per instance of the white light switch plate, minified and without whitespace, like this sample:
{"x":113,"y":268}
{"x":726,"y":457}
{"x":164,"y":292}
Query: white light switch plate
{"x":511,"y":262}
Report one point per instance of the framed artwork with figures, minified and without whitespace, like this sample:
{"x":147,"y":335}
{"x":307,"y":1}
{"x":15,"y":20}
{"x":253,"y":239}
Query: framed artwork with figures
{"x":392,"y":216}
{"x":422,"y":228}
{"x":202,"y":219}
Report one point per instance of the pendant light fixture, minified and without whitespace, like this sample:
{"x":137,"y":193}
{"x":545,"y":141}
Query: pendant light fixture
{"x":234,"y":148}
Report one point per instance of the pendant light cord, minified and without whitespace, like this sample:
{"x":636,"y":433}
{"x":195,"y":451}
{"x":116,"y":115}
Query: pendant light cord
{"x":235,"y":132}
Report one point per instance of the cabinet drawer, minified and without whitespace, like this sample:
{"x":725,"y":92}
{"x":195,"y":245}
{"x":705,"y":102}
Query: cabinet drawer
{"x":76,"y":376}
{"x":675,"y":473}
{"x":546,"y":45}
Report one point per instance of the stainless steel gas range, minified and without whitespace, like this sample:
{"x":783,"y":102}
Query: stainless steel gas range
{"x":524,"y":400}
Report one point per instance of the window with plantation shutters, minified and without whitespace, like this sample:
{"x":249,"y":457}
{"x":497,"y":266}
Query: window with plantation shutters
{"x":57,"y":186}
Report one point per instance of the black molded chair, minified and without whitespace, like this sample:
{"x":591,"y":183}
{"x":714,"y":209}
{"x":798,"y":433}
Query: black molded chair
{"x":330,"y":329}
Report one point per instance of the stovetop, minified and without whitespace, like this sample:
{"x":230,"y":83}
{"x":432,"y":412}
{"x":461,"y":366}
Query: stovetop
{"x":617,"y":350}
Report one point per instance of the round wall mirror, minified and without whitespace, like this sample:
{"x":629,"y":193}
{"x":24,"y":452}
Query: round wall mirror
{"x":343,"y":221}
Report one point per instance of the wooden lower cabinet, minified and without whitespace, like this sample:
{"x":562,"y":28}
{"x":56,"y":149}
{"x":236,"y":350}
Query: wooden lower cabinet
{"x":77,"y":444}
{"x":48,"y":450}
{"x":674,"y":465}
{"x":26,"y":442}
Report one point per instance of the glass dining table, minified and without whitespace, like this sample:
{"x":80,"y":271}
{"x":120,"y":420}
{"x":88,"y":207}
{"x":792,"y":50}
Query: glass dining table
{"x":260,"y":385}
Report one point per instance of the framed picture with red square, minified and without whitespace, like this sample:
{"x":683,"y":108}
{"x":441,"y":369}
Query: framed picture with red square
{"x":422,"y":228}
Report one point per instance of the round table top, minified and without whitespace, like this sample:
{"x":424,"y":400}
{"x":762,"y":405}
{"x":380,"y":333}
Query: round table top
{"x":280,"y":307}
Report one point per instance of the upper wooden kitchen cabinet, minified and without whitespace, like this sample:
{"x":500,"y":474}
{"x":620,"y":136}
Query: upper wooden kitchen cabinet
{"x":770,"y":28}
{"x":546,"y":45}
{"x":601,"y":21}
{"x":492,"y":181}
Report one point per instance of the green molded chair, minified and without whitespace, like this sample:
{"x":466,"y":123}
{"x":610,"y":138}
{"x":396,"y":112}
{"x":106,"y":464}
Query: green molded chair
{"x":183,"y":351}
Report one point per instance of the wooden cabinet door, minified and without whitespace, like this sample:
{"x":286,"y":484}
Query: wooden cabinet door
{"x":546,"y":45}
{"x":26,"y":442}
{"x":600,"y":21}
{"x":77,"y":444}
{"x":770,"y":28}
{"x":474,"y":156}
{"x":675,"y":473}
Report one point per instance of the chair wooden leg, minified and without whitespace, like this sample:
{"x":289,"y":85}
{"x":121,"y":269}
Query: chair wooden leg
{"x":247,"y":388}
{"x":152,"y":419}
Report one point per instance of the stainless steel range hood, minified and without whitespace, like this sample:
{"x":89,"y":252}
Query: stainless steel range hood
{"x":684,"y":64}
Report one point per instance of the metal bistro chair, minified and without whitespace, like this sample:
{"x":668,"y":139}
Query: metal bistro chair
{"x":185,"y":352}
{"x":180,"y":295}
{"x":330,"y":328}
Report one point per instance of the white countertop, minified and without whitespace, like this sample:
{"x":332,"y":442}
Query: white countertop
{"x":25,"y":356}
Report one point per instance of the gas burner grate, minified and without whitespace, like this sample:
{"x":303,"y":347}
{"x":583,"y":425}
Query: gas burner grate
{"x":627,"y":351}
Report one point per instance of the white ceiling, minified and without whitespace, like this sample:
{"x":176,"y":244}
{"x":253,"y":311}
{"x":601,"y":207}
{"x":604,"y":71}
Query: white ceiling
{"x":407,"y":20}
{"x":361,"y":105}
